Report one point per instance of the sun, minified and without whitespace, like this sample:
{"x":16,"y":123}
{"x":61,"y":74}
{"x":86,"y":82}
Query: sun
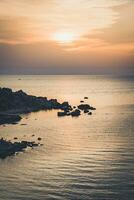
{"x":64,"y":37}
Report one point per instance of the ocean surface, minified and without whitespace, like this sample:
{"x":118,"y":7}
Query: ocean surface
{"x":85,"y":158}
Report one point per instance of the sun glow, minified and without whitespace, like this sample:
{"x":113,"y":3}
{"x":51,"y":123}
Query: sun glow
{"x":64,"y":37}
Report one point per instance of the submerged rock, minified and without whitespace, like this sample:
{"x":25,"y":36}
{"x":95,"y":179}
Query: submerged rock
{"x":8,"y":148}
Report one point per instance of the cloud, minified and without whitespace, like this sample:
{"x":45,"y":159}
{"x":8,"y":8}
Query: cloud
{"x":28,"y":21}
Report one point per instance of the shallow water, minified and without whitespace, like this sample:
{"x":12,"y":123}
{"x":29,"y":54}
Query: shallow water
{"x":85,"y":158}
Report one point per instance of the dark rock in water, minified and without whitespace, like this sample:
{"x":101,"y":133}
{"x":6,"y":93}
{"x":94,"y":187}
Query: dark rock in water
{"x":62,"y":114}
{"x":86,"y":107}
{"x":92,"y":108}
{"x":86,"y":111}
{"x":85,"y":97}
{"x":65,"y":106}
{"x":9,"y":119}
{"x":13,"y":103}
{"x":74,"y":107}
{"x":90,"y":113}
{"x":8,"y":148}
{"x":81,"y":101}
{"x":75,"y":113}
{"x":20,"y":102}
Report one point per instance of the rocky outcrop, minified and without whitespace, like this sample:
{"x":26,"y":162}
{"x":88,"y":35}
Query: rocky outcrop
{"x":14,"y":103}
{"x":20,"y":102}
{"x":9,"y":118}
{"x":8,"y":148}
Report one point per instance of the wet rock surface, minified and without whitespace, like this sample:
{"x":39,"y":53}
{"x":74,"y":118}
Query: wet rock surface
{"x":8,"y":148}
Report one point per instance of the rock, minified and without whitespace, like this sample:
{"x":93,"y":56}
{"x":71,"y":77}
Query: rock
{"x":75,"y":113}
{"x":39,"y":138}
{"x":19,"y":102}
{"x":9,"y":119}
{"x":81,"y":101}
{"x":84,"y":107}
{"x":15,"y":138}
{"x":8,"y":148}
{"x":86,"y":111}
{"x":65,"y":106}
{"x":61,"y":114}
{"x":92,"y":108}
{"x":90,"y":113}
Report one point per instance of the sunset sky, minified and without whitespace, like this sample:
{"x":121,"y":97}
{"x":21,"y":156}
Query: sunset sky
{"x":66,"y":36}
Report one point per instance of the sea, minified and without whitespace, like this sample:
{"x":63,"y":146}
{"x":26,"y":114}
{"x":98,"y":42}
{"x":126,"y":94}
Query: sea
{"x":90,"y":157}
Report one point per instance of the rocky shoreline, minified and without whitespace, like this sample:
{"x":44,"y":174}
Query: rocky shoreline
{"x":8,"y":148}
{"x":12,"y":104}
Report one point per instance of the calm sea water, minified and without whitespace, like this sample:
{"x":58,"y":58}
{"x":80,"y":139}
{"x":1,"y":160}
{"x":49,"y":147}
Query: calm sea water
{"x":85,"y":158}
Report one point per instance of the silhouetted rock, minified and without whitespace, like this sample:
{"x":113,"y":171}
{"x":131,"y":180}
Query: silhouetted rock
{"x":75,"y":113}
{"x":86,"y":111}
{"x":86,"y":107}
{"x":81,"y":101}
{"x":90,"y":113}
{"x":8,"y":148}
{"x":19,"y":102}
{"x":13,"y":103}
{"x":61,"y":114}
{"x":9,"y":118}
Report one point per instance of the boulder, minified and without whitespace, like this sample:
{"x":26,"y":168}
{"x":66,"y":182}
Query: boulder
{"x":84,"y":107}
{"x":75,"y":113}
